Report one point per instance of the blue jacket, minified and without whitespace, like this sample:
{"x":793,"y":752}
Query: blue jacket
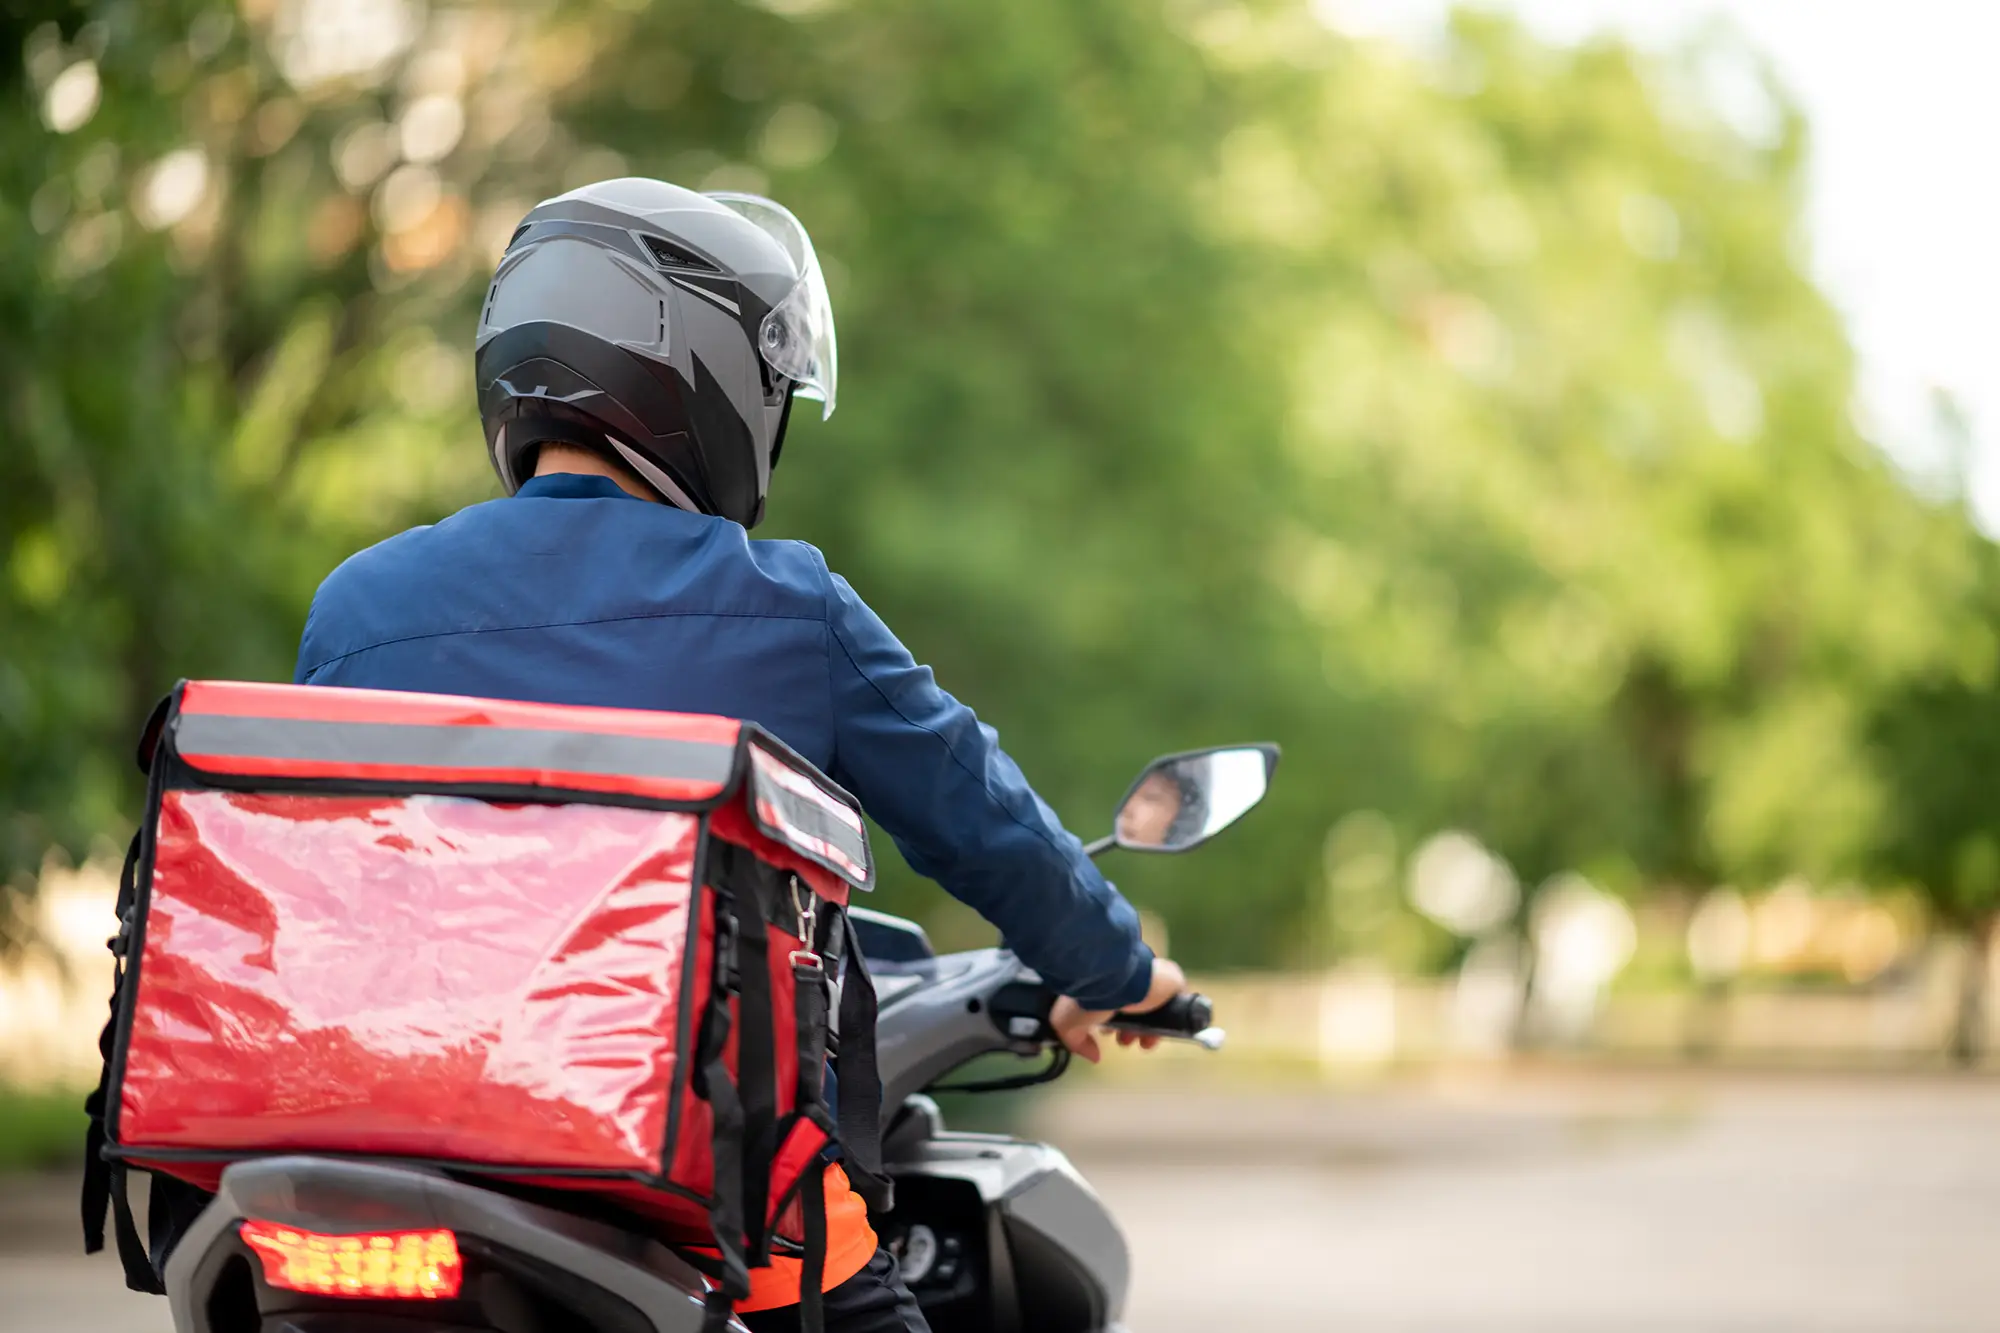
{"x":574,"y":592}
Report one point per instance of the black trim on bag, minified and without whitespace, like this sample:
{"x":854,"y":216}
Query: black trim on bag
{"x":156,"y":722}
{"x":425,"y":745}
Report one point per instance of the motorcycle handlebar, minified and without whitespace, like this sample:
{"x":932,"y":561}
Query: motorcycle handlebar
{"x":1188,"y":1016}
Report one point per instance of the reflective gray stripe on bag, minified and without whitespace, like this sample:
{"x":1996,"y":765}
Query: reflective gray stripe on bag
{"x":415,"y":746}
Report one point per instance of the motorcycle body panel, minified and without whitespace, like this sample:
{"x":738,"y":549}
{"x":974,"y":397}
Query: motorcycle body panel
{"x":936,"y":1016}
{"x":1040,"y":1249}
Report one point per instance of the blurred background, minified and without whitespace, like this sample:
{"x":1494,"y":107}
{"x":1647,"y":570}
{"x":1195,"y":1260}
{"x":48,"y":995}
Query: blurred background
{"x":1568,"y":427}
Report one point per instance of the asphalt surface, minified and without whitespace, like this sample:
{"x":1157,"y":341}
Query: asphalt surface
{"x":1553,"y":1203}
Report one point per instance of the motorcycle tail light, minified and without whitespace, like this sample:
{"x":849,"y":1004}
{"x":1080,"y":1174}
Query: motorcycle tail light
{"x":384,"y":1265}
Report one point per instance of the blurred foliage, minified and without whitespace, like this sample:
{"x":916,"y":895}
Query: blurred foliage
{"x":1467,"y":421}
{"x":40,"y":1129}
{"x":1936,"y":737}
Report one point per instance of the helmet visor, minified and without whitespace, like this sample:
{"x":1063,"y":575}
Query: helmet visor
{"x":796,"y":338}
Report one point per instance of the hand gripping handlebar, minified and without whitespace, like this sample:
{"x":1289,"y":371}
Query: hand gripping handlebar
{"x":1189,"y":1017}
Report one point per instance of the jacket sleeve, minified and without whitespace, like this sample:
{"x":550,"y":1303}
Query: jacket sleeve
{"x":935,"y":777}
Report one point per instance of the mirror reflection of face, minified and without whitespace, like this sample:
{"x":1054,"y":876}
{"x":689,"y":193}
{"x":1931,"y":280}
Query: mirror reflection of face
{"x":1150,"y":811}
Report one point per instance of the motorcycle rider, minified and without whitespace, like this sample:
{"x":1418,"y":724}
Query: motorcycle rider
{"x":639,"y":354}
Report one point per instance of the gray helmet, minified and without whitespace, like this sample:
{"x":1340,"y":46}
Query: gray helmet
{"x":664,"y":329}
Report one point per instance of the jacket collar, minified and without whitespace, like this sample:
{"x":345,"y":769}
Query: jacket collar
{"x":573,"y":486}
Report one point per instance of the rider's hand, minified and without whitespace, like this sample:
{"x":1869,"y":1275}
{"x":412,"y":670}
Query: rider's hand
{"x":1077,"y":1026}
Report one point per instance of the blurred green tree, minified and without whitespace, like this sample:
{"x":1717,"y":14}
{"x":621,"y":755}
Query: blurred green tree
{"x":1937,"y":743}
{"x":1058,"y":451}
{"x":1579,"y":492}
{"x":227,"y":240}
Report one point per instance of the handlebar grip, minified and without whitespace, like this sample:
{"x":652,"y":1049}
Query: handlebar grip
{"x":1183,"y":1016}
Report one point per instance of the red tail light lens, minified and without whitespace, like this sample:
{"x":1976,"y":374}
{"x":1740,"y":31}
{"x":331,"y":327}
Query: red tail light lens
{"x":393,"y":1265}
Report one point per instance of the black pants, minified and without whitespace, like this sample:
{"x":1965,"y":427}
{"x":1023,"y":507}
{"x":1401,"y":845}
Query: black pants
{"x":872,"y":1301}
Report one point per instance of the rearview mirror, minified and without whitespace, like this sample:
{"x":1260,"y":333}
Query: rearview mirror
{"x":1183,"y":800}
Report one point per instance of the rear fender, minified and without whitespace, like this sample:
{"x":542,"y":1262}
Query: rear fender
{"x":628,"y":1281}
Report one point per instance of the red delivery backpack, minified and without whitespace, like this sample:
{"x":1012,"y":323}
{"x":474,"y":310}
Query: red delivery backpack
{"x":580,"y":949}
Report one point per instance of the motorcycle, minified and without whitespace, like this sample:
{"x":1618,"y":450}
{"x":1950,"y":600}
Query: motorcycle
{"x":993,"y":1234}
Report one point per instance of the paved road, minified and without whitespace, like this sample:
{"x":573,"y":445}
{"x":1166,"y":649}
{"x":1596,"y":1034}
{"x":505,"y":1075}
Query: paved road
{"x":1552,"y":1205}
{"x":1750,"y":1209}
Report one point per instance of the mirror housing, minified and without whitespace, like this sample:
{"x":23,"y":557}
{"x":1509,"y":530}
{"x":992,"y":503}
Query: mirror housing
{"x":1182,"y":800}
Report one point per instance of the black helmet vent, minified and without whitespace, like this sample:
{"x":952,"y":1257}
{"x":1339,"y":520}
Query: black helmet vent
{"x":668,"y":255}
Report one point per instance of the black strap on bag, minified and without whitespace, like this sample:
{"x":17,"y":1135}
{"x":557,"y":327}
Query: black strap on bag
{"x":132,"y":1256}
{"x":713,"y":1085}
{"x":757,"y":1076}
{"x":757,"y":889}
{"x":809,"y":1011}
{"x":860,"y":1111}
{"x":96,"y":1171}
{"x":858,"y":1124}
{"x":106,"y":1182}
{"x":812,"y":1269}
{"x":809,"y":1008}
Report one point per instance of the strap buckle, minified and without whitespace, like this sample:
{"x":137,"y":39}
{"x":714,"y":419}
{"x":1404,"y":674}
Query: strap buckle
{"x":725,"y":948}
{"x":805,"y":903}
{"x":121,"y":943}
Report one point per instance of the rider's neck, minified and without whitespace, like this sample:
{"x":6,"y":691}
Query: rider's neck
{"x":564,"y":458}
